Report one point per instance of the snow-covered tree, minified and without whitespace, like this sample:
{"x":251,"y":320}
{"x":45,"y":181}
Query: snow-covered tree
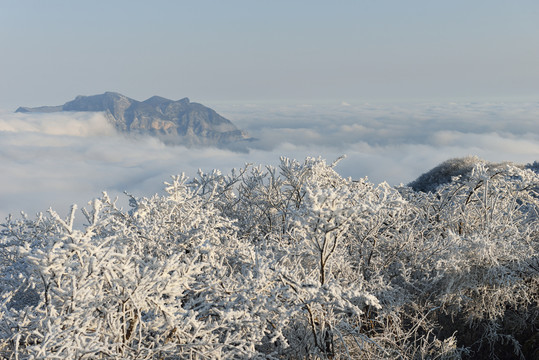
{"x":291,"y":262}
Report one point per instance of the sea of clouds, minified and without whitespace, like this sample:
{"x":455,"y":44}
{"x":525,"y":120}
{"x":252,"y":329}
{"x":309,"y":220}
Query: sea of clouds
{"x":57,"y":159}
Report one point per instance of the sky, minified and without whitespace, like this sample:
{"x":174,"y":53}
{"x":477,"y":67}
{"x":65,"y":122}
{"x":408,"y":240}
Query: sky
{"x":397,"y":86}
{"x":239,"y":50}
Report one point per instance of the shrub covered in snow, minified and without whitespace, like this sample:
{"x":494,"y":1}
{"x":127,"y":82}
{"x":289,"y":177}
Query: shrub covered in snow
{"x":291,"y":262}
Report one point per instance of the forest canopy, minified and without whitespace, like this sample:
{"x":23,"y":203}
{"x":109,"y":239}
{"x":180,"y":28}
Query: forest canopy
{"x":286,"y":262}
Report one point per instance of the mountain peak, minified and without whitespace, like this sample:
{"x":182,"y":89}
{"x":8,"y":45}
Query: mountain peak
{"x":156,"y":99}
{"x":174,"y":122}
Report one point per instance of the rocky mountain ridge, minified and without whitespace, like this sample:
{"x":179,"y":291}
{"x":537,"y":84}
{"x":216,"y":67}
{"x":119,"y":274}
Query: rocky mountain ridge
{"x":174,"y":122}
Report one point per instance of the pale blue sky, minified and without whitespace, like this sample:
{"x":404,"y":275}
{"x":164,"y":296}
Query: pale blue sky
{"x":247,"y":50}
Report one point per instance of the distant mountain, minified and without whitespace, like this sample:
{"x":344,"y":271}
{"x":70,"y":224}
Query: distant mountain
{"x":174,"y":122}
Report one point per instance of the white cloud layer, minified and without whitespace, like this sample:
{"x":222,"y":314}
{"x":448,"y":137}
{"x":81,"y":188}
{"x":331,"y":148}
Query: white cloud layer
{"x":63,"y":123}
{"x":54,"y":160}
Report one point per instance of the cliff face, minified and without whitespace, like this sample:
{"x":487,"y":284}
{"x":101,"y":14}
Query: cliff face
{"x":175,"y":122}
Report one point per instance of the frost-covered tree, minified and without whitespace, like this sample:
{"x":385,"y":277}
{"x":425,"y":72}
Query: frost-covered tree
{"x":489,"y":270}
{"x":135,"y":284}
{"x":287,"y":262}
